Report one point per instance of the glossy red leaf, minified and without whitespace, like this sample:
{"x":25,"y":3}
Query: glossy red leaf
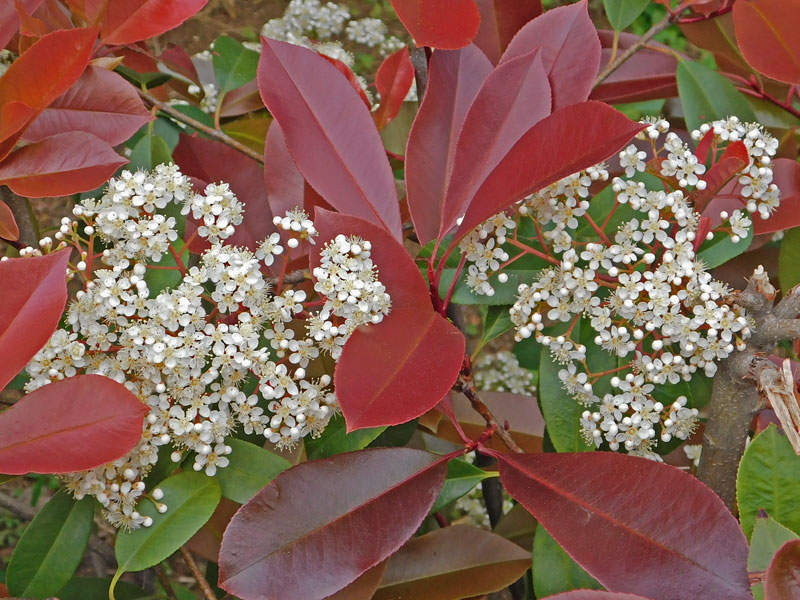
{"x":8,"y":225}
{"x":445,"y":24}
{"x":647,"y":75}
{"x":733,"y":160}
{"x":34,"y":296}
{"x":62,"y":164}
{"x":570,"y":139}
{"x":500,"y":21}
{"x":766,"y":31}
{"x":70,"y":425}
{"x":212,"y":162}
{"x":570,"y":50}
{"x":9,"y":18}
{"x":101,"y":103}
{"x":329,"y":132}
{"x":393,"y":80}
{"x":48,"y":68}
{"x":129,"y":21}
{"x":286,"y":543}
{"x":786,"y":175}
{"x":655,"y":530}
{"x":452,"y":563}
{"x":454,"y":77}
{"x":402,"y":367}
{"x":513,"y":98}
{"x":783,"y":575}
{"x":595,"y":595}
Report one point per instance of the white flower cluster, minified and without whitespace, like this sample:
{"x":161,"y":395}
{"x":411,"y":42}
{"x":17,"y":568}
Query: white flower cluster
{"x":639,"y":286}
{"x":210,"y":91}
{"x":501,"y":372}
{"x":218,"y":351}
{"x":315,"y":25}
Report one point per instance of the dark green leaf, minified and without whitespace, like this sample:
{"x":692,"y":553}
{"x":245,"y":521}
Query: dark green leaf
{"x":91,"y":588}
{"x":51,"y":548}
{"x":250,"y":468}
{"x":159,"y":280}
{"x":336,"y":440}
{"x":148,"y":80}
{"x":496,"y":322}
{"x":622,"y":13}
{"x":768,"y":537}
{"x":395,"y":436}
{"x":706,"y":95}
{"x":461,"y":478}
{"x":149,"y":151}
{"x":789,"y":259}
{"x":191,"y":499}
{"x":553,"y":569}
{"x":234,"y":65}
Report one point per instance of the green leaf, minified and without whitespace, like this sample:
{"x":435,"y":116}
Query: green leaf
{"x":721,"y":249}
{"x":148,"y":80}
{"x":190,"y":110}
{"x":90,"y":588}
{"x":51,"y":548}
{"x":191,"y":499}
{"x":622,"y":13}
{"x":150,"y":151}
{"x":789,"y":259}
{"x":769,"y":479}
{"x":250,"y":468}
{"x":395,"y":436}
{"x":553,"y":569}
{"x":336,"y":440}
{"x":706,"y":95}
{"x":234,"y":65}
{"x":461,"y":478}
{"x":496,"y":322}
{"x":768,"y":537}
{"x":160,"y":279}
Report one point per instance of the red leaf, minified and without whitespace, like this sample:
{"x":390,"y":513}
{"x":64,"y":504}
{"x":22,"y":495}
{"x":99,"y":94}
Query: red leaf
{"x":448,"y":25}
{"x":766,"y":31}
{"x":500,"y":21}
{"x":212,"y":162}
{"x":595,"y":595}
{"x":655,"y":530}
{"x":394,"y":79}
{"x":351,"y":78}
{"x":62,"y":164}
{"x":34,"y":296}
{"x":732,"y":161}
{"x":513,"y":98}
{"x":570,"y":139}
{"x":329,"y":133}
{"x":786,"y":175}
{"x":402,"y":367}
{"x":704,"y":146}
{"x":9,"y":18}
{"x":242,"y":100}
{"x":783,"y":575}
{"x":8,"y":225}
{"x":48,"y":68}
{"x":129,"y":21}
{"x":570,"y":50}
{"x":647,"y":75}
{"x":70,"y":425}
{"x":286,"y":543}
{"x":90,"y":10}
{"x":101,"y":103}
{"x":454,"y":79}
{"x":284,"y":184}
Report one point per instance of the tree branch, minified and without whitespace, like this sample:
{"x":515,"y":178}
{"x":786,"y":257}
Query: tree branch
{"x":217,"y":134}
{"x":23,"y":215}
{"x":197,"y":574}
{"x":466,"y":388}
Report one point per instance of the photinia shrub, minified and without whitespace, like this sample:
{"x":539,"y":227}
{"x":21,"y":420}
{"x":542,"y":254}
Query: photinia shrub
{"x":498,"y":324}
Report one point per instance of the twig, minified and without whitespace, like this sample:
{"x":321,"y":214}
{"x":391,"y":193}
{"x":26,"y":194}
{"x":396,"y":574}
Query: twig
{"x":419,"y":59}
{"x":217,"y":134}
{"x":466,"y":388}
{"x":165,"y":583}
{"x":735,"y":396}
{"x":201,"y":580}
{"x":23,"y":215}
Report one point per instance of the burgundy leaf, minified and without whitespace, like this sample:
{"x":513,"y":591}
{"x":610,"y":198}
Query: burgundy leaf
{"x":513,"y":98}
{"x":394,"y":79}
{"x":8,"y":225}
{"x":70,"y":425}
{"x":733,"y":160}
{"x":242,"y":100}
{"x":783,"y":575}
{"x":654,"y":530}
{"x":647,"y":75}
{"x":129,"y":21}
{"x":570,"y":139}
{"x":351,"y":78}
{"x":500,"y":21}
{"x":594,"y":595}
{"x":454,"y":79}
{"x":62,"y":164}
{"x":570,"y":50}
{"x":329,"y":132}
{"x":284,"y":183}
{"x":402,"y":367}
{"x":212,"y":162}
{"x":34,"y":296}
{"x":321,"y":524}
{"x":101,"y":103}
{"x":786,"y":174}
{"x":448,"y":26}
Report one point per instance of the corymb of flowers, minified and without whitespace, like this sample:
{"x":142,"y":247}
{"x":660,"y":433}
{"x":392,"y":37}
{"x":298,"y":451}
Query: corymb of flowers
{"x":623,"y":300}
{"x":221,"y":346}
